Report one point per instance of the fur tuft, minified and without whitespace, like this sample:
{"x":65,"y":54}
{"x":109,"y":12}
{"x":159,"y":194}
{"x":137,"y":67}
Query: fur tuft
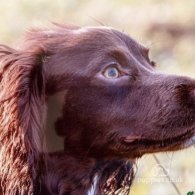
{"x":21,"y":108}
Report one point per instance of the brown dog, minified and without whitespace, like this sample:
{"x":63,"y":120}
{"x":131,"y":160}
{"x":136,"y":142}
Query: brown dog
{"x":79,"y":105}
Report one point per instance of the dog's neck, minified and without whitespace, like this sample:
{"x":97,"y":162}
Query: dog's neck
{"x":73,"y":170}
{"x":87,"y":176}
{"x":94,"y":186}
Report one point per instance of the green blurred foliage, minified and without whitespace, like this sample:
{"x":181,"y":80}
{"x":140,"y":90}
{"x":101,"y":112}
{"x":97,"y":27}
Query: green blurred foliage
{"x":166,"y":27}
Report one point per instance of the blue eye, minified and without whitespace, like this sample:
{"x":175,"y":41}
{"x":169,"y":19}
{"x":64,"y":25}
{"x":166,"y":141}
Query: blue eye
{"x":111,"y":73}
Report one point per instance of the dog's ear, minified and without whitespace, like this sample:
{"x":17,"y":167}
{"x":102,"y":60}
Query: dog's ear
{"x":22,"y":108}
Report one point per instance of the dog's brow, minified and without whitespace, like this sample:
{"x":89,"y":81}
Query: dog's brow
{"x":119,"y":55}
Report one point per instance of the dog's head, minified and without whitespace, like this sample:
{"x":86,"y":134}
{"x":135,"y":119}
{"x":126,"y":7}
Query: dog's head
{"x":111,"y":102}
{"x":115,"y":102}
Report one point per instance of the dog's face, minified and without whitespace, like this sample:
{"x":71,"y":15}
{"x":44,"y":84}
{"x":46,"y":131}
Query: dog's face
{"x":116,"y":103}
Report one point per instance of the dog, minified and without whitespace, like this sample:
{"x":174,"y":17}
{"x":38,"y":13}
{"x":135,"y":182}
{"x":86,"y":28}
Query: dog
{"x":79,"y":105}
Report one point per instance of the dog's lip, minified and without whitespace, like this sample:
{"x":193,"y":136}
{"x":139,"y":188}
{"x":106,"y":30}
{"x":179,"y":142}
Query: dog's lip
{"x":189,"y":134}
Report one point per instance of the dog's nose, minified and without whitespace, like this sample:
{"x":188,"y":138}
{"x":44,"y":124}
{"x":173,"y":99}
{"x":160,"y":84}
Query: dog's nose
{"x":185,"y":91}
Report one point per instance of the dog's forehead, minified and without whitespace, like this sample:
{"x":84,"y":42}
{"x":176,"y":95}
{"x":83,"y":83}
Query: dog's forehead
{"x":113,"y":35}
{"x":130,"y":42}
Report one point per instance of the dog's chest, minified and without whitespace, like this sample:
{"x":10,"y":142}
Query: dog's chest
{"x":93,"y":188}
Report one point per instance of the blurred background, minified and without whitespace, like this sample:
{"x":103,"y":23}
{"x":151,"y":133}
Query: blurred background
{"x":166,"y":27}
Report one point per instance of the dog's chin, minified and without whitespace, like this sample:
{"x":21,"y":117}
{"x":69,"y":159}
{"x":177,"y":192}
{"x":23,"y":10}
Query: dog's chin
{"x":142,"y":146}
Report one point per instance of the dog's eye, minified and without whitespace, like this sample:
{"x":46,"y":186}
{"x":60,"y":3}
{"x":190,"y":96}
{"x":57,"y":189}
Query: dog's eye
{"x":111,"y":73}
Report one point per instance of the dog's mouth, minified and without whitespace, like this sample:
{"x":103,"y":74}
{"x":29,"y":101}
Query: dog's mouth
{"x":147,"y":145}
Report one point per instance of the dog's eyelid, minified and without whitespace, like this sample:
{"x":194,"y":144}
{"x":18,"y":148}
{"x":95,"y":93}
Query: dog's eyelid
{"x":116,"y":65}
{"x":112,"y":65}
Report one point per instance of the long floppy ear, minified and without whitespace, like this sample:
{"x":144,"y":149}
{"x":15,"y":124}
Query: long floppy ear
{"x":22,"y":108}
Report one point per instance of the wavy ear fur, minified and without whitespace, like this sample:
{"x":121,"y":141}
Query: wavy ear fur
{"x":22,"y":109}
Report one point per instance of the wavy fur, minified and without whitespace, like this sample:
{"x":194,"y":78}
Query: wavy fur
{"x":105,"y":124}
{"x":21,"y":120}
